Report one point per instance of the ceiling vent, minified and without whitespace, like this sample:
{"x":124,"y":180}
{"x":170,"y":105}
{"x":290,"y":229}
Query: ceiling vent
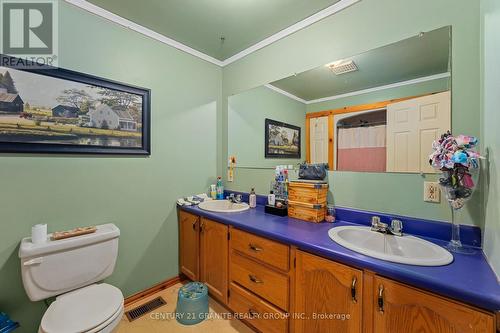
{"x":342,"y":66}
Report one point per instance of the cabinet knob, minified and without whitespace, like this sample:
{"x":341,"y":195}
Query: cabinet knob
{"x":252,"y":313}
{"x":381,"y":299}
{"x":254,"y":279}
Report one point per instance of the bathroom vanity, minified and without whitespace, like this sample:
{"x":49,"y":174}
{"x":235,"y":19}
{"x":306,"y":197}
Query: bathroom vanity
{"x":283,"y":275}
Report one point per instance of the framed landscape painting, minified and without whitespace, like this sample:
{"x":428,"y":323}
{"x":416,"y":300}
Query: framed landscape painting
{"x":54,"y":110}
{"x":281,"y":140}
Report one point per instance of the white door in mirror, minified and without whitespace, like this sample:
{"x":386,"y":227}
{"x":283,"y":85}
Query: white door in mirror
{"x":412,"y":126}
{"x":401,"y":249}
{"x":319,"y":139}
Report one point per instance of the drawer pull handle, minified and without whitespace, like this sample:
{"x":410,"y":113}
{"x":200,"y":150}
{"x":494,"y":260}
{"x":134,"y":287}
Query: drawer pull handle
{"x":254,"y":248}
{"x":252,"y":313}
{"x":254,"y":279}
{"x":194,"y":225}
{"x":353,"y":290}
{"x":381,"y":299}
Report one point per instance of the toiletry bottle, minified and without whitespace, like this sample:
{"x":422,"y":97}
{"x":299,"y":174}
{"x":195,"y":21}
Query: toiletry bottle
{"x":330,"y":213}
{"x":213,"y":191}
{"x":252,"y":199}
{"x":220,"y":189}
{"x":271,"y":199}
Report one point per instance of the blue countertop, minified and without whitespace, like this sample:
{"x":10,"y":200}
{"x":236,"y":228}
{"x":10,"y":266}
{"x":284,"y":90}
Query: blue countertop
{"x":468,"y":278}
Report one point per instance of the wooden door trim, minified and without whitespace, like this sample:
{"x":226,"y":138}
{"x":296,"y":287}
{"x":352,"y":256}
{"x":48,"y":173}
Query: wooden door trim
{"x":346,"y":109}
{"x":331,"y":143}
{"x":308,"y":140}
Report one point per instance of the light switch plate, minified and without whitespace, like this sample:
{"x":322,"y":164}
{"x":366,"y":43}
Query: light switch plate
{"x":432,"y":192}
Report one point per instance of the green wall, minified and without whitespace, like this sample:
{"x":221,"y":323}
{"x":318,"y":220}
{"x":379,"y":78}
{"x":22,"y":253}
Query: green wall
{"x":490,"y":26}
{"x":247,"y":114}
{"x":138,"y":194}
{"x":357,"y":29}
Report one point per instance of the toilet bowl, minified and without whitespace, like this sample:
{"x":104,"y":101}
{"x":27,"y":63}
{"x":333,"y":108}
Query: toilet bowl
{"x":95,"y":308}
{"x":71,"y":269}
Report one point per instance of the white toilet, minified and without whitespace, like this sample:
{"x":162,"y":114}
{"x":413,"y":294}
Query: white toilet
{"x":70,"y":269}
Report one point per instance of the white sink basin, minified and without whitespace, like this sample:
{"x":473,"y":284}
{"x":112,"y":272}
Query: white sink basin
{"x":223,"y":206}
{"x":405,"y":249}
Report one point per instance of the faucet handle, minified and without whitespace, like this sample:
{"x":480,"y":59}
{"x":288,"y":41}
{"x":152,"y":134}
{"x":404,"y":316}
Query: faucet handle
{"x":375,"y":220}
{"x":397,"y":226}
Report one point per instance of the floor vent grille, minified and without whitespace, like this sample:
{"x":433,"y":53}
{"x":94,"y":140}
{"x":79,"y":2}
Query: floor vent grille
{"x":147,"y":307}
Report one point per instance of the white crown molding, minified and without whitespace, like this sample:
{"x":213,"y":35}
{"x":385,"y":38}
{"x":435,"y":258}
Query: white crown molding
{"x":99,"y":11}
{"x":328,"y":11}
{"x":364,"y":91}
{"x":83,"y":4}
{"x":286,"y":93}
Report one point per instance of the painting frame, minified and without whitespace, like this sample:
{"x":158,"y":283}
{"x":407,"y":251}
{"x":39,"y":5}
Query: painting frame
{"x":87,"y":79}
{"x":268,"y":153}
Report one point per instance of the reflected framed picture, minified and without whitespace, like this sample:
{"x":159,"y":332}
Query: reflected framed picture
{"x":53,"y":110}
{"x":281,"y":140}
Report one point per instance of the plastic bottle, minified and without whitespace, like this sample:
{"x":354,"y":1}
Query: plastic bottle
{"x":213,"y":191}
{"x":220,"y":189}
{"x":252,"y":199}
{"x":330,"y":213}
{"x":271,"y":199}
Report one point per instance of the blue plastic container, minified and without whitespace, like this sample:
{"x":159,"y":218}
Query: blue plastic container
{"x":192,"y":303}
{"x":7,"y":325}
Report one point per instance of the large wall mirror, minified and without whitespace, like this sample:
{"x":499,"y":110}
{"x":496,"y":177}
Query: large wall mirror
{"x":378,"y":111}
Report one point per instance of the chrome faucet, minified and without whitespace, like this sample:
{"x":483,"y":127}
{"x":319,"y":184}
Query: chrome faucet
{"x":395,"y":229}
{"x":234,"y":198}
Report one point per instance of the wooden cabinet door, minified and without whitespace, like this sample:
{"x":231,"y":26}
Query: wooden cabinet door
{"x":328,"y":296}
{"x":214,"y":258}
{"x":189,"y":244}
{"x":404,"y":309}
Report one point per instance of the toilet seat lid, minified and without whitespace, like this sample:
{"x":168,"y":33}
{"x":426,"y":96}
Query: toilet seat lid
{"x":83,"y":309}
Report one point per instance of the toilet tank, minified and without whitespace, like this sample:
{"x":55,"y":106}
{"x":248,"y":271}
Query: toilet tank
{"x":56,"y":267}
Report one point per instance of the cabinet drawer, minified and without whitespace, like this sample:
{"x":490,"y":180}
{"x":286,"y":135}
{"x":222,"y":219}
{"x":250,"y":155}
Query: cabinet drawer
{"x":265,"y":250}
{"x":260,"y":314}
{"x":263,"y":281}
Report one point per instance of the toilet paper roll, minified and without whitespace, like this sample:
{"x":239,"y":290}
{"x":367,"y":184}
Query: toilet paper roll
{"x":39,"y":233}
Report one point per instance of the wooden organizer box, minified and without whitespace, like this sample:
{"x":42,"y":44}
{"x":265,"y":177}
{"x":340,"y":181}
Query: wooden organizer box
{"x":307,"y":201}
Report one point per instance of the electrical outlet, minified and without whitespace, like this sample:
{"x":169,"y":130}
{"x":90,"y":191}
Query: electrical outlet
{"x":432,"y":192}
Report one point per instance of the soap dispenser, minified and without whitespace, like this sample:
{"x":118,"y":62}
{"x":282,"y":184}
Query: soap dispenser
{"x":252,"y":199}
